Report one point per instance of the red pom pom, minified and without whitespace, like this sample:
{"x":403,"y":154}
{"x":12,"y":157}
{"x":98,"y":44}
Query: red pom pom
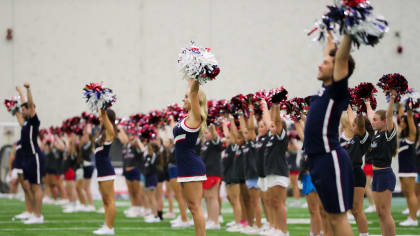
{"x":353,"y":3}
{"x":395,"y":82}
{"x":361,"y":93}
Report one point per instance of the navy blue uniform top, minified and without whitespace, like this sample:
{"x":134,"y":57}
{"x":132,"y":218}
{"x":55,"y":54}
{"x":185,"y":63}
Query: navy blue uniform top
{"x":417,"y":154}
{"x":250,"y":156}
{"x":131,"y":156}
{"x":383,"y":148}
{"x":357,"y":147}
{"x":228,"y":156}
{"x":150,"y":161}
{"x":19,"y":152}
{"x":321,"y":128}
{"x":260,"y":149}
{"x":87,"y":152}
{"x":29,"y":135}
{"x":102,"y":153}
{"x":407,"y":152}
{"x":188,"y":160}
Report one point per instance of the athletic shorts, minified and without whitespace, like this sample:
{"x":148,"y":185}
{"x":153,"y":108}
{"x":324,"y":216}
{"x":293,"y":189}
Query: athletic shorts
{"x":105,"y":170}
{"x":276,"y":180}
{"x":15,"y":173}
{"x":132,"y":175}
{"x":70,"y":175}
{"x":33,"y":169}
{"x":332,"y":176}
{"x":383,"y":179}
{"x":359,"y":177}
{"x":151,"y":182}
{"x":51,"y":171}
{"x":307,"y":185}
{"x":88,"y":172}
{"x":211,"y":182}
{"x":252,"y":183}
{"x":173,"y":172}
{"x":294,"y":172}
{"x":262,"y":184}
{"x":368,"y":169}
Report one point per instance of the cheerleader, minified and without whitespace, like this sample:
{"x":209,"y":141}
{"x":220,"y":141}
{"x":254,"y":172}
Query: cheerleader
{"x":231,"y":181}
{"x":151,"y":157}
{"x":361,"y":133}
{"x":34,"y":158}
{"x":211,"y":156}
{"x":106,"y":173}
{"x":418,"y":175}
{"x":162,"y":174}
{"x":70,"y":164}
{"x":329,"y":163}
{"x":367,"y":168}
{"x":13,"y":171}
{"x":407,"y":167}
{"x":86,"y":146}
{"x":384,"y":146}
{"x":131,"y":154}
{"x":182,"y":221}
{"x":60,"y":149}
{"x":276,"y":169}
{"x":51,"y":171}
{"x":191,"y":169}
{"x":291,"y":157}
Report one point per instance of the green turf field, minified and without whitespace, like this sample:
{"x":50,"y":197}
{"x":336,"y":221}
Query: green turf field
{"x":58,"y":223}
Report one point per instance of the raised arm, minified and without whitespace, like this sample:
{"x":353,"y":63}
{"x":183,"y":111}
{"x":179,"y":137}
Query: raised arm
{"x":242,"y":122}
{"x":390,"y":111}
{"x":122,"y":136}
{"x":109,"y":128}
{"x":21,"y":95}
{"x":369,"y":111}
{"x":350,"y":114}
{"x":31,"y":106}
{"x":342,"y":57}
{"x":266,"y":114}
{"x":330,"y":44}
{"x":213,"y":132}
{"x":278,"y":122}
{"x":251,"y":123}
{"x":233,"y":128}
{"x":299,"y":125}
{"x":195,"y":119}
{"x":19,"y":118}
{"x":411,"y":126}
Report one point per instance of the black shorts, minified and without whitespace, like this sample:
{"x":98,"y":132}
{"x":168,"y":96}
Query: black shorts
{"x":88,"y":172}
{"x":359,"y":177}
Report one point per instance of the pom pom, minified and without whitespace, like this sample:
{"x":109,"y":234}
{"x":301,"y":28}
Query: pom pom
{"x":238,"y":104}
{"x":12,"y":105}
{"x":176,"y":111}
{"x":355,"y":18}
{"x":361,"y":93}
{"x":147,"y":133}
{"x":98,"y":97}
{"x":395,"y":82}
{"x":198,"y":63}
{"x":411,"y":100}
{"x":90,"y":118}
{"x":280,"y":96}
{"x":295,"y":108}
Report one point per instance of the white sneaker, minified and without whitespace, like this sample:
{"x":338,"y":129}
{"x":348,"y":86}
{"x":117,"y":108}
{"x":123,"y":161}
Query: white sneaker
{"x":180,"y":225}
{"x":70,"y":209}
{"x":23,"y":216}
{"x":62,"y":202}
{"x":232,"y":223}
{"x":169,"y":215}
{"x":370,"y":209}
{"x":132,"y":214}
{"x":278,"y":232}
{"x":221,"y":220}
{"x":251,"y":230}
{"x":304,"y":205}
{"x":128,"y":210}
{"x":101,"y":210}
{"x":418,"y":213}
{"x":235,"y":228}
{"x":34,"y":220}
{"x":294,"y":203}
{"x":90,"y":208}
{"x":176,"y":220}
{"x":152,"y":219}
{"x":211,"y":225}
{"x":409,"y":222}
{"x":47,"y":200}
{"x":104,"y":230}
{"x":350,"y":216}
{"x":269,"y":231}
{"x":406,"y":211}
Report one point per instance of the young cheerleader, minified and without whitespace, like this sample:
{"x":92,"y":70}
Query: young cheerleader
{"x":86,"y":144}
{"x":361,"y":133}
{"x":151,"y":156}
{"x":384,"y":145}
{"x":210,"y":154}
{"x":407,"y":166}
{"x":106,"y":173}
{"x":191,"y":169}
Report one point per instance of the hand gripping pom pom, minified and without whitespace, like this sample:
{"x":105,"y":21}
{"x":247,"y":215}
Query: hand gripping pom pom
{"x":12,"y":105}
{"x":98,"y":97}
{"x":362,"y":93}
{"x":198,"y":63}
{"x":411,"y":100}
{"x":280,"y":96}
{"x":352,"y":17}
{"x":395,"y":82}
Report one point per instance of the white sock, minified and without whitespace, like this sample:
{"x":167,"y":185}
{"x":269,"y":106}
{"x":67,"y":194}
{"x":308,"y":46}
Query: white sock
{"x":364,"y":234}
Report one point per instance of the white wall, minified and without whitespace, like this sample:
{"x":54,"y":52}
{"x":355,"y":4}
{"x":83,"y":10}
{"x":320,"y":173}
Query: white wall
{"x":133,"y":45}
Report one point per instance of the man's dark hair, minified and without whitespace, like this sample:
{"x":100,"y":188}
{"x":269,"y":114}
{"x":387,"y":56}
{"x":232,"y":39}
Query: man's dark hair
{"x":351,"y":64}
{"x":25,"y":105}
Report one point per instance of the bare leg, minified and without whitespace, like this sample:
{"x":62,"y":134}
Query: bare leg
{"x":408,"y":186}
{"x":314,"y":212}
{"x":108,"y":197}
{"x":169,"y":193}
{"x":278,"y":203}
{"x":383,"y":209}
{"x":339,"y":224}
{"x":37,"y":199}
{"x":79,"y":190}
{"x":193,"y":192}
{"x":255,"y":205}
{"x":233,"y":195}
{"x":86,"y":188}
{"x":179,"y":198}
{"x":369,"y":194}
{"x":295,"y":187}
{"x":357,"y":211}
{"x":212,"y":203}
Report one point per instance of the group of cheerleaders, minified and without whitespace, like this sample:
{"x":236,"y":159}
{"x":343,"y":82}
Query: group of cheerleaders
{"x":255,"y":158}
